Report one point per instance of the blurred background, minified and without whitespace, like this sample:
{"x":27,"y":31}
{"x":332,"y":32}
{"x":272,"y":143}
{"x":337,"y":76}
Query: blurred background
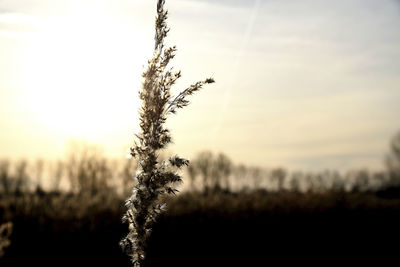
{"x":295,"y":151}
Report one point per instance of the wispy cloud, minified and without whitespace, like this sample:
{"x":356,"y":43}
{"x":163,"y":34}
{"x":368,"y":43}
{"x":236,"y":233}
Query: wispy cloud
{"x":18,"y":25}
{"x":16,"y":18}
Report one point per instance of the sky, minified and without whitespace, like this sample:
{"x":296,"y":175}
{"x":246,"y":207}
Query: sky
{"x":308,"y":85}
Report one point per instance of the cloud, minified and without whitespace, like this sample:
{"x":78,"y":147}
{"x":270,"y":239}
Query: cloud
{"x":237,"y":3}
{"x":16,"y":18}
{"x":18,"y":25}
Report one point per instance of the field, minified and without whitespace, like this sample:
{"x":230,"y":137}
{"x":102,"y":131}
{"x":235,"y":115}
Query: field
{"x":226,"y":215}
{"x":218,"y":228}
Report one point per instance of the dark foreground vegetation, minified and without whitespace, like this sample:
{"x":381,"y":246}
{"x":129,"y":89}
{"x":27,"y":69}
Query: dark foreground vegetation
{"x":227,"y":216}
{"x":206,"y":229}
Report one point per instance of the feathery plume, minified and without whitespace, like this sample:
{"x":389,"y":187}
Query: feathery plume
{"x":154,"y":178}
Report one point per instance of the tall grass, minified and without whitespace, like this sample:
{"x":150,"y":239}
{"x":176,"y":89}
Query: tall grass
{"x":5,"y":233}
{"x":154,"y":178}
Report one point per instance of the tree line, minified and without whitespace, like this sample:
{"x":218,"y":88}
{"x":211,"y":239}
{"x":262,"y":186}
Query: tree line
{"x":86,"y":171}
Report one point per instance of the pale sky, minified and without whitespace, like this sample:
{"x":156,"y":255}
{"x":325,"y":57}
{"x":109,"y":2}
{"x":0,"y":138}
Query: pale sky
{"x":307,"y":85}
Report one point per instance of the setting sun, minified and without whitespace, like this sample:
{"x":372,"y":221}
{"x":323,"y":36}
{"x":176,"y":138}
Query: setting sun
{"x":81,"y":73}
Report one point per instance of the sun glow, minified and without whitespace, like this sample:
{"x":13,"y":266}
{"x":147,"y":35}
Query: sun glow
{"x":81,"y":73}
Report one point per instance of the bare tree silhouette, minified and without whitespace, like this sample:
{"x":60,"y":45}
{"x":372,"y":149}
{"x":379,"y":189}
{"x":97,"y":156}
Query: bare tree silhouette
{"x":278,"y":175}
{"x":57,"y":172}
{"x":204,"y":162}
{"x":393,"y":161}
{"x":192,"y":172}
{"x":5,"y":178}
{"x":221,"y":170}
{"x":21,"y":176}
{"x":39,"y":166}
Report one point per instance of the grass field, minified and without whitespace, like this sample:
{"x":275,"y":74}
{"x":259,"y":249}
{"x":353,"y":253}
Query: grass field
{"x":256,"y":228}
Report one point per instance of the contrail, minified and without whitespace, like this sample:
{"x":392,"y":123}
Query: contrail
{"x":247,"y":34}
{"x":239,"y":56}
